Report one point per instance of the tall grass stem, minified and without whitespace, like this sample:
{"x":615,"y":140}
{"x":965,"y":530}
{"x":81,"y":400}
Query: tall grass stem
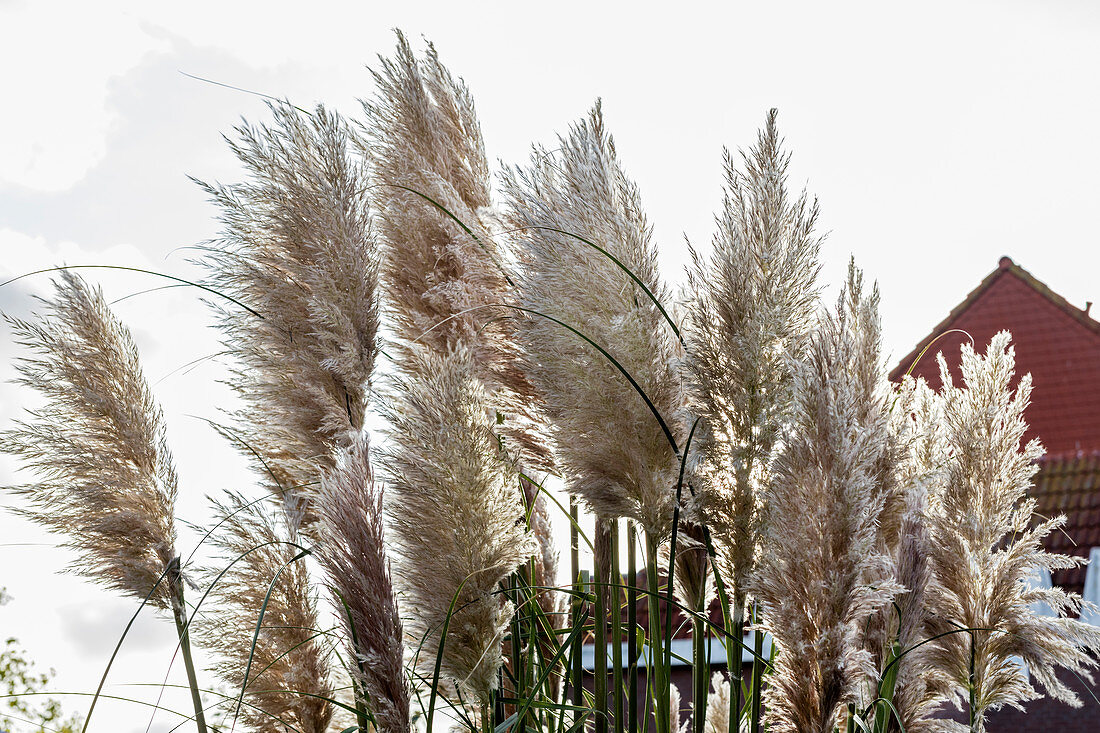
{"x":632,"y":625}
{"x":615,"y":592}
{"x":657,"y":670}
{"x":179,"y":613}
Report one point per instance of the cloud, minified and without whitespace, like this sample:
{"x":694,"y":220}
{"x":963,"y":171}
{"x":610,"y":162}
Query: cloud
{"x":57,"y":129}
{"x":93,"y":629}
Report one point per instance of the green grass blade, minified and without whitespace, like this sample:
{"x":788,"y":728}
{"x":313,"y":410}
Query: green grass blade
{"x":136,"y":269}
{"x":114,"y":654}
{"x":620,"y":265}
{"x":256,"y":633}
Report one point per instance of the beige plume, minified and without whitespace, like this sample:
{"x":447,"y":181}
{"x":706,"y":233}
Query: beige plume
{"x":442,"y":263}
{"x":287,"y":670}
{"x":612,"y":450}
{"x":352,"y":552}
{"x":297,"y":248}
{"x":456,"y":514}
{"x":105,"y":478}
{"x":752,"y":307}
{"x":985,"y":544}
{"x":822,"y":524}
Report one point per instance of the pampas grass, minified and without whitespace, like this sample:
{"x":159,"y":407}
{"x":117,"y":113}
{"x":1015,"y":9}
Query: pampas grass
{"x":611,"y":449}
{"x":443,"y":265}
{"x":297,"y":248}
{"x":283,"y":676}
{"x":615,"y":438}
{"x":881,"y":535}
{"x":748,"y":321}
{"x":457,"y":518}
{"x":823,"y":509}
{"x":443,"y":268}
{"x":718,"y":710}
{"x":898,"y":639}
{"x":985,"y":544}
{"x":692,"y":581}
{"x":352,"y":552}
{"x":105,"y":476}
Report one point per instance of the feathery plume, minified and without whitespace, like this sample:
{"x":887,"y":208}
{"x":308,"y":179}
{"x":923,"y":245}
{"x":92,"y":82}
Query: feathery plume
{"x":287,"y":671}
{"x":675,"y":710}
{"x":613,"y":452}
{"x":288,"y":682}
{"x":442,"y":265}
{"x":692,"y":584}
{"x":985,"y":545}
{"x":352,"y":552}
{"x":752,"y":309}
{"x":917,"y":425}
{"x":718,"y":708}
{"x":297,"y":248}
{"x":823,"y":508}
{"x":105,"y":475}
{"x":456,"y":514}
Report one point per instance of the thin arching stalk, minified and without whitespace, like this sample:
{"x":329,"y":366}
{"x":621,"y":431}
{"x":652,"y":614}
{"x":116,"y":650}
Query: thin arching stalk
{"x":179,"y":614}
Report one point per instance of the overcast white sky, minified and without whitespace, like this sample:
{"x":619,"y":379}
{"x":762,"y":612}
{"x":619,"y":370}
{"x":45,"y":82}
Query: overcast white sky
{"x":936,"y":139}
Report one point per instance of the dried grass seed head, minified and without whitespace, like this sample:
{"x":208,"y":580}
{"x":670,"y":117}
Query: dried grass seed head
{"x":986,"y":544}
{"x":352,"y":552}
{"x":611,"y":449}
{"x":297,"y":248}
{"x":288,"y":667}
{"x":822,"y":525}
{"x":105,"y":477}
{"x":751,"y":309}
{"x":443,"y":265}
{"x":456,"y":513}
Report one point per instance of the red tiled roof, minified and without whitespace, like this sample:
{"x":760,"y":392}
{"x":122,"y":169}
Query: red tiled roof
{"x":1057,"y":343}
{"x":1070,"y":486}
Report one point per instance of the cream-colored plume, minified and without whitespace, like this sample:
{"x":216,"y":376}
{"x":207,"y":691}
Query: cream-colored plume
{"x":612,"y":450}
{"x":752,"y":307}
{"x":458,"y":370}
{"x":823,"y":507}
{"x":895,"y":637}
{"x":986,"y":543}
{"x":287,"y":670}
{"x":298,"y":250}
{"x":105,"y":478}
{"x":692,"y":581}
{"x":718,"y":706}
{"x":351,"y":549}
{"x":456,"y":514}
{"x":442,"y":263}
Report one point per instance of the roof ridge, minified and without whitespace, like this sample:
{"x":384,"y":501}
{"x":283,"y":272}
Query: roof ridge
{"x":1079,"y":315}
{"x":1004,"y":265}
